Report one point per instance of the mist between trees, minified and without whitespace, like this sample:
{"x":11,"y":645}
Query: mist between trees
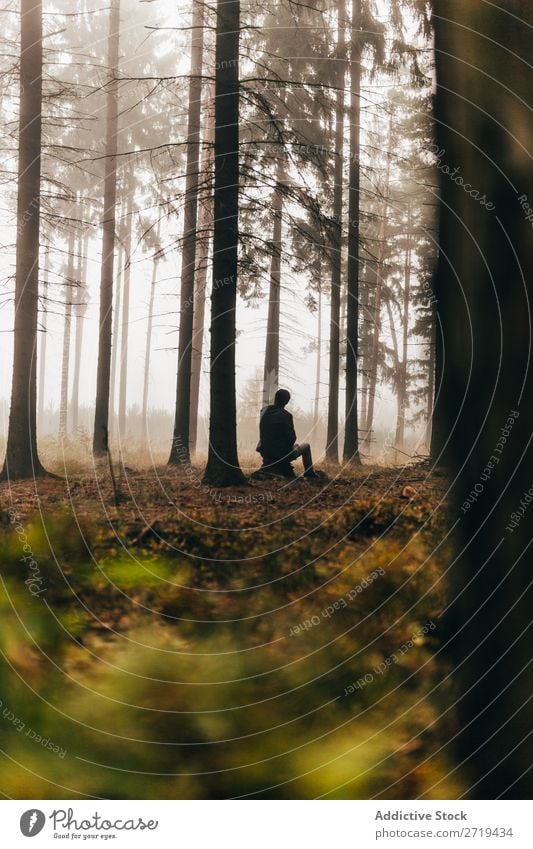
{"x":205,"y":202}
{"x":127,"y":151}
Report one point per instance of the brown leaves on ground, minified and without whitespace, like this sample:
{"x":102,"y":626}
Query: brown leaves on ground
{"x":280,"y":593}
{"x":165,"y":494}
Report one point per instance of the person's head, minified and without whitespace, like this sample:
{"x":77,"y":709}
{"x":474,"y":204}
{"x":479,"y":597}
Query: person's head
{"x":282,"y":397}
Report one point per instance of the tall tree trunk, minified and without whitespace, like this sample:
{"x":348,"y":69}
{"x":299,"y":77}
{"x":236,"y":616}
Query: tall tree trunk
{"x":364,"y":399}
{"x":22,"y":460}
{"x":44,"y":331}
{"x":332,"y":437}
{"x":351,"y":435}
{"x":318,"y":350}
{"x":180,"y":450}
{"x":205,"y":224}
{"x":124,"y":333}
{"x":402,"y":383}
{"x":395,"y":353}
{"x":342,"y":333}
{"x":147,"y":353}
{"x":81,"y":309}
{"x":223,"y":464}
{"x":115,"y":335}
{"x":373,"y":370}
{"x":67,"y":325}
{"x":484,"y":290}
{"x":271,"y":362}
{"x":369,"y":275}
{"x":439,"y":436}
{"x":101,"y":417}
{"x":431,"y":378}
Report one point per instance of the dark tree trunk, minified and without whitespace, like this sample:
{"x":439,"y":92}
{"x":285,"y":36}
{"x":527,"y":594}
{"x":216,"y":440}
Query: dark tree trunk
{"x":223,"y":464}
{"x":22,"y":460}
{"x":101,"y":417}
{"x":180,"y":451}
{"x":431,"y":378}
{"x":81,"y":308}
{"x":351,"y":435}
{"x":484,"y":290}
{"x":437,"y":450}
{"x":44,"y":331}
{"x":271,"y":363}
{"x":205,"y":224}
{"x":332,"y":438}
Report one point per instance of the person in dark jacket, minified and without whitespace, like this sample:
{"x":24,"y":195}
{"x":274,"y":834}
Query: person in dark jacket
{"x":277,"y":440}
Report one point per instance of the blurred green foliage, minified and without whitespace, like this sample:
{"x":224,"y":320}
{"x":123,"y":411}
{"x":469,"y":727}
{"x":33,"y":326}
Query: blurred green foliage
{"x":162,"y":672}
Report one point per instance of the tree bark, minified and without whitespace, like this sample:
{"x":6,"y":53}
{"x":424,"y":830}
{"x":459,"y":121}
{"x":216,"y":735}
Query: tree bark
{"x":81,"y":309}
{"x":124,"y":332}
{"x":118,"y":284}
{"x":318,"y":351}
{"x":332,"y":438}
{"x":223,"y":464}
{"x":101,"y":417}
{"x":373,"y":375}
{"x":484,"y":290}
{"x":395,"y":348}
{"x":271,"y":362}
{"x":67,"y":326}
{"x":22,"y":460}
{"x":351,"y":435}
{"x":431,"y":378}
{"x":147,"y":353}
{"x":402,"y":377}
{"x":205,"y":224}
{"x":44,"y":331}
{"x":180,"y":451}
{"x":364,"y":398}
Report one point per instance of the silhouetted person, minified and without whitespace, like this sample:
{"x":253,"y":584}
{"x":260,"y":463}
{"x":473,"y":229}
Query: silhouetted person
{"x":277,"y":440}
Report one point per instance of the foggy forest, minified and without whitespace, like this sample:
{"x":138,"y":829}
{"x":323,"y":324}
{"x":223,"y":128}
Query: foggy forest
{"x":231,"y":227}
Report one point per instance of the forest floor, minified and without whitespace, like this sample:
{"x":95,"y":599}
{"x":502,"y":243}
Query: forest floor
{"x":279,"y":640}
